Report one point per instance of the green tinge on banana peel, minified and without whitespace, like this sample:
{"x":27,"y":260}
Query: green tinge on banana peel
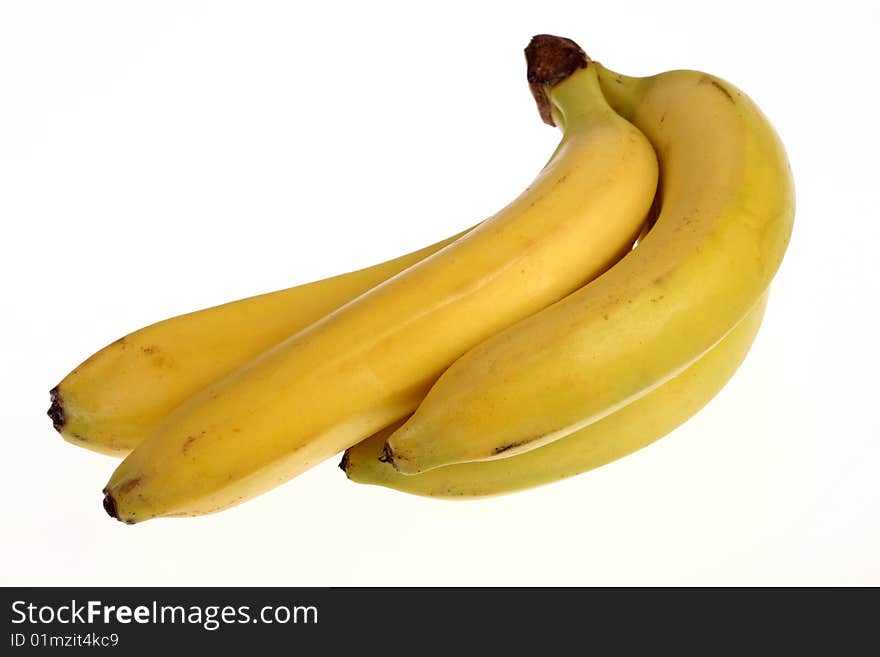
{"x":631,"y":428}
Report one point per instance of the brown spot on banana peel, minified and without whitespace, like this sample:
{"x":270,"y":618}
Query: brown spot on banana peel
{"x":157,"y":358}
{"x":550,"y":60}
{"x":188,"y":443}
{"x":503,"y":448}
{"x":709,"y":80}
{"x":519,"y":443}
{"x":388,"y":455}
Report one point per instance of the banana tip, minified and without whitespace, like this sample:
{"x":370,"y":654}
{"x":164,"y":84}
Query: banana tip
{"x":56,"y":409}
{"x":110,"y":505}
{"x":550,"y":60}
{"x":343,"y":464}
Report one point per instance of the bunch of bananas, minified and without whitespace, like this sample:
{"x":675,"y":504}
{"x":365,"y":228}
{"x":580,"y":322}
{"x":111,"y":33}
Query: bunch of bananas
{"x":598,"y":311}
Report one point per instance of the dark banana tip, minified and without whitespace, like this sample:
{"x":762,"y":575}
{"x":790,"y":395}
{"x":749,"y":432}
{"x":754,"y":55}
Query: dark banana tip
{"x":550,"y":60}
{"x":110,"y":505}
{"x":56,"y":409}
{"x":343,"y":464}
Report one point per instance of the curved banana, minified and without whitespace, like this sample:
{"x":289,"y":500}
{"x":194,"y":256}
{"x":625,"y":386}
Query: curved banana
{"x":370,"y":362}
{"x":726,"y":212}
{"x":634,"y":426}
{"x":120,"y":394}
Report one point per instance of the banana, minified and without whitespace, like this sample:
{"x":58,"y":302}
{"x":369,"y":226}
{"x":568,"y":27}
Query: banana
{"x":726,"y":213}
{"x":370,"y":362}
{"x":119,"y":395}
{"x":634,"y":426}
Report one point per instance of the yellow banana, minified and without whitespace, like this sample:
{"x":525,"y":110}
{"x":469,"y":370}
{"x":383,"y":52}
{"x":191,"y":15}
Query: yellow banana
{"x":634,"y":426}
{"x":370,"y":362}
{"x":119,"y":395}
{"x":726,"y":212}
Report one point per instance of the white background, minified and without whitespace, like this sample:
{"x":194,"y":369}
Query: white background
{"x":165,"y":156}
